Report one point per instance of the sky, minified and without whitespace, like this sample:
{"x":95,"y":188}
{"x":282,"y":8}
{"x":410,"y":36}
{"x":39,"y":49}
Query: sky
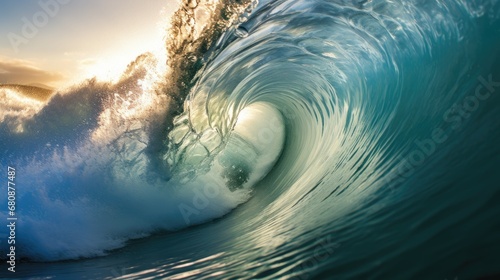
{"x":60,"y":42}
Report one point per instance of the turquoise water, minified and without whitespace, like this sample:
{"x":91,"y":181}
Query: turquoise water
{"x":314,"y":139}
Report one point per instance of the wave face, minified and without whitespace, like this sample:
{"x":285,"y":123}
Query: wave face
{"x":362,"y":136}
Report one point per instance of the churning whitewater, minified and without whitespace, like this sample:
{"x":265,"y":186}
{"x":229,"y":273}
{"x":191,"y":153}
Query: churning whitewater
{"x":363,"y":128}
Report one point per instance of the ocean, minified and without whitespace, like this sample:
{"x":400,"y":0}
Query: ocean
{"x":286,"y":139}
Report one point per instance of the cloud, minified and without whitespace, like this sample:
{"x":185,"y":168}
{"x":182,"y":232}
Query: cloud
{"x":24,"y":72}
{"x":89,"y":61}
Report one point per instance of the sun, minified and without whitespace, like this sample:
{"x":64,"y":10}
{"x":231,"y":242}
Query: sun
{"x":110,"y":63}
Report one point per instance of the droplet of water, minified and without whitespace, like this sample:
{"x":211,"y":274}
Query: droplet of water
{"x":192,"y":4}
{"x":192,"y":58}
{"x":242,"y":19}
{"x":241,"y":32}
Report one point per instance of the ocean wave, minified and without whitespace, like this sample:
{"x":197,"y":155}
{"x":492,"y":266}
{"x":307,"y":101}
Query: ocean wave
{"x":324,"y":109}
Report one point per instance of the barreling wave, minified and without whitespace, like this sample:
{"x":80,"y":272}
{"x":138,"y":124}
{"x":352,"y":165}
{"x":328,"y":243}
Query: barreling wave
{"x":333,"y":110}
